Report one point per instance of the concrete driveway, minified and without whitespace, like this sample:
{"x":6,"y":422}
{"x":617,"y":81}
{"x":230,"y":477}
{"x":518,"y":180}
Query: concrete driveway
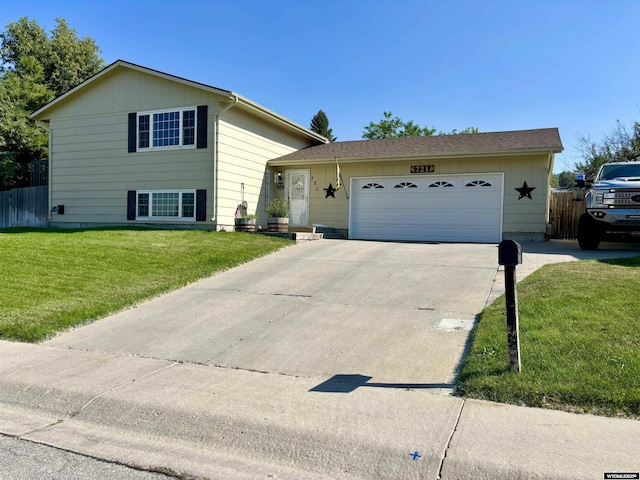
{"x":398,"y":313}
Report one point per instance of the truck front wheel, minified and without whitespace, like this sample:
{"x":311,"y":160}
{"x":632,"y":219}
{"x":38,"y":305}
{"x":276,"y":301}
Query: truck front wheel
{"x":589,"y":233}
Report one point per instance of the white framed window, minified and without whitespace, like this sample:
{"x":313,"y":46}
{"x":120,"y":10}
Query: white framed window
{"x":166,"y":129}
{"x":166,"y":205}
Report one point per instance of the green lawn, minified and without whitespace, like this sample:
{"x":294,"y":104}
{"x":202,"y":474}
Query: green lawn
{"x":53,"y":279}
{"x":580,"y":341}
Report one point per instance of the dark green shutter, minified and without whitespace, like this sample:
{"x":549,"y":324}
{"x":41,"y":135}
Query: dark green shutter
{"x":131,"y":205}
{"x":201,"y":205}
{"x":201,"y":136}
{"x":132,"y":132}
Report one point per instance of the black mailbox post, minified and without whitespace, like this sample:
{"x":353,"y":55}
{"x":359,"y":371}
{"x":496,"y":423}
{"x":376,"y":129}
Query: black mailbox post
{"x":510,"y":255}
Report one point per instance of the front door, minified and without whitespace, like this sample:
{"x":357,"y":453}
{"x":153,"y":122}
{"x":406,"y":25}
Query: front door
{"x":297,"y":184}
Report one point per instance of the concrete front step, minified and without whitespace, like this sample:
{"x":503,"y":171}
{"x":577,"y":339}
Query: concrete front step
{"x":304,"y":236}
{"x":298,"y":237}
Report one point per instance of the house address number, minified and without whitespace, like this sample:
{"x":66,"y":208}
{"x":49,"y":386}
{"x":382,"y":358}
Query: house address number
{"x":423,"y":168}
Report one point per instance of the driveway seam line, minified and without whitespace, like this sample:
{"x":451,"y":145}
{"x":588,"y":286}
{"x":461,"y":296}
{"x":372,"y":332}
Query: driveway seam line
{"x":455,"y":428}
{"x":121,"y":384}
{"x":38,"y":429}
{"x":175,"y":362}
{"x":92,"y":400}
{"x":488,"y":300}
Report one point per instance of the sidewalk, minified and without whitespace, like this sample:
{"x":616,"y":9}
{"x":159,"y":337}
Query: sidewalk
{"x":224,"y":423}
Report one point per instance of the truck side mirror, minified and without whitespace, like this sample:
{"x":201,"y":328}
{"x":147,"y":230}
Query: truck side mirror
{"x":580,"y":181}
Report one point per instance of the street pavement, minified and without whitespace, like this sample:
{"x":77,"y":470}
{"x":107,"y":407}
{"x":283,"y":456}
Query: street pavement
{"x":330,"y":359}
{"x":23,"y":460}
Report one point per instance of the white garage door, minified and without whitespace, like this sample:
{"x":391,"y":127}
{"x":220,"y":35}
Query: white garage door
{"x":448,"y":208}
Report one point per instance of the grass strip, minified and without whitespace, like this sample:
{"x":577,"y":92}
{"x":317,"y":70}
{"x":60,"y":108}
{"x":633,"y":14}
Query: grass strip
{"x":580,"y":339}
{"x":51,"y":280}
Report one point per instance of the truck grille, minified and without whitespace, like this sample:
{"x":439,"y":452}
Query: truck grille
{"x":627,"y":222}
{"x":622,"y":198}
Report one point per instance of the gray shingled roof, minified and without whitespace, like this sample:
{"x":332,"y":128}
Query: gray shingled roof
{"x":544,"y":139}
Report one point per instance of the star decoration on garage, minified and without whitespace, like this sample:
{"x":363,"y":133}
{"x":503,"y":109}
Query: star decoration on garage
{"x":331,"y":192}
{"x":525,"y":191}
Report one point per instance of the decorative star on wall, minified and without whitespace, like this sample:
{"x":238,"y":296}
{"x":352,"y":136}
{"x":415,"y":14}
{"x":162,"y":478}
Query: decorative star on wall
{"x":331,"y":192}
{"x":525,"y":191}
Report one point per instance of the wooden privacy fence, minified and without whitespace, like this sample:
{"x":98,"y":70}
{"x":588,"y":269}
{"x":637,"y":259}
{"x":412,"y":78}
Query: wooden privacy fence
{"x":565,"y":209}
{"x":24,"y":207}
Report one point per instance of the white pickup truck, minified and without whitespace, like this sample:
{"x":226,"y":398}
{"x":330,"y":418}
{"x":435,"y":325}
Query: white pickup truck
{"x":612,"y":201}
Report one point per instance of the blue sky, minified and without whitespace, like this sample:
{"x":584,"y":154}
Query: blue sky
{"x":495,"y":65}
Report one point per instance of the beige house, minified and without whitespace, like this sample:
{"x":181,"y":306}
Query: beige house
{"x":135,"y":146}
{"x":465,"y":188}
{"x":132,"y":145}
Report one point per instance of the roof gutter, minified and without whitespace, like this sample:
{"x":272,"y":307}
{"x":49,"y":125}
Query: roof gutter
{"x":318,"y":161}
{"x":49,"y":195}
{"x":214,"y":164}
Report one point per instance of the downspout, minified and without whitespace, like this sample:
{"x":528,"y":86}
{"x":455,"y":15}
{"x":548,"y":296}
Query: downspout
{"x":44,"y":127}
{"x":548,"y":203}
{"x":214,"y":166}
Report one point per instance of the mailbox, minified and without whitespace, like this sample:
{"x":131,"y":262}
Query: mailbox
{"x":509,"y":253}
{"x":60,"y":209}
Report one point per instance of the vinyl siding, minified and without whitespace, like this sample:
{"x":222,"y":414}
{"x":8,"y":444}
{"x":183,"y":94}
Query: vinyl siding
{"x":245,"y":145}
{"x":519,"y":216}
{"x":92,"y":170}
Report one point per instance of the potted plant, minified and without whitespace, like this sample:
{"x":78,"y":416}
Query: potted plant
{"x":246,"y":223}
{"x":278,"y":210}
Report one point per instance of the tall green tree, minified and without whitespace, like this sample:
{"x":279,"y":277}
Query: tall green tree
{"x":466,"y":131}
{"x":21,"y":140}
{"x":565,"y":179}
{"x":621,"y":144}
{"x":320,"y":124}
{"x":66,"y":60}
{"x":394,"y":127}
{"x":35,"y":67}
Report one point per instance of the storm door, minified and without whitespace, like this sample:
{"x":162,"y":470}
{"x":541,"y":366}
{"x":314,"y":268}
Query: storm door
{"x":297,"y":191}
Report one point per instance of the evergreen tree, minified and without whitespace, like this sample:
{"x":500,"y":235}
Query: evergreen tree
{"x":320,"y":125}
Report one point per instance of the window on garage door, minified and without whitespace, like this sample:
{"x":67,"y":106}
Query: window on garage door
{"x":478,"y":183}
{"x":406,"y":185}
{"x":441,"y":184}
